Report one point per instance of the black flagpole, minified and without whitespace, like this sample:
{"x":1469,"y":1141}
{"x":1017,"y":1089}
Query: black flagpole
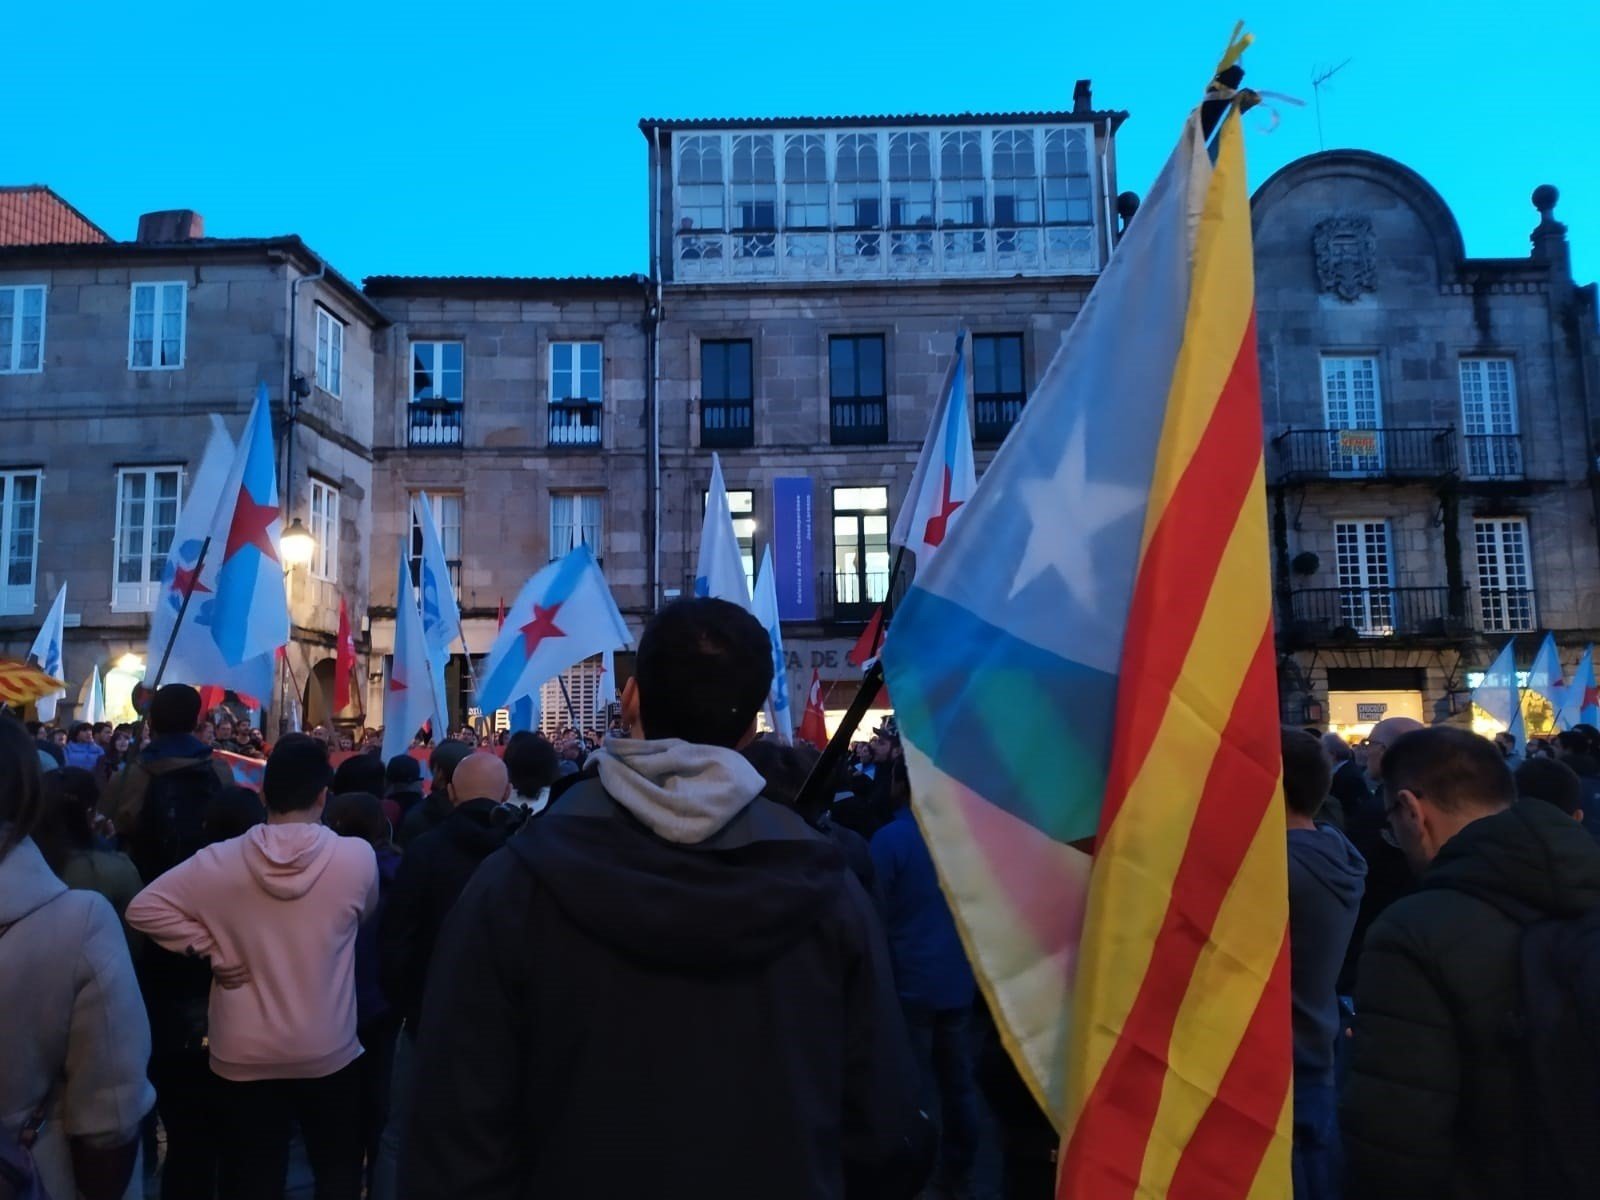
{"x":183,"y":608}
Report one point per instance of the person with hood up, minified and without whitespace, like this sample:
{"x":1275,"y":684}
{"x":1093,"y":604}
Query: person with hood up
{"x":1326,"y":878}
{"x":402,"y":788}
{"x":430,"y":878}
{"x":1434,"y":1105}
{"x":72,"y":1074}
{"x":276,"y":911}
{"x":666,"y":985}
{"x":159,"y":800}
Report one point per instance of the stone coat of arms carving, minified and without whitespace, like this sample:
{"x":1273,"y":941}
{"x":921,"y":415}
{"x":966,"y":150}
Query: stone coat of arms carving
{"x":1347,"y":256}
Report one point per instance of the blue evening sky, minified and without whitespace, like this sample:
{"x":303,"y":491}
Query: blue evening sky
{"x":492,"y":137}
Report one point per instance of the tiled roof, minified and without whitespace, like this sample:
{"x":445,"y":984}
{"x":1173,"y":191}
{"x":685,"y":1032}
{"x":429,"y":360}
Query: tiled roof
{"x":498,"y":285}
{"x":1116,"y":116}
{"x":33,"y":215}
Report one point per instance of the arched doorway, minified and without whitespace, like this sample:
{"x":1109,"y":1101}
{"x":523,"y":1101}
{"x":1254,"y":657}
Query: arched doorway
{"x":318,"y":699}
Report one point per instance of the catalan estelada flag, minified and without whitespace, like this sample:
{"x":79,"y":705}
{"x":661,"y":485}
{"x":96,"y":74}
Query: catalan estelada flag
{"x":1085,"y":681}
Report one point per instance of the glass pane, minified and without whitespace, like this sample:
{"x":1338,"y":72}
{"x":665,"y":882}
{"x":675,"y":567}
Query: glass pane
{"x":561,"y":357}
{"x":842,"y":366}
{"x":867,"y":499}
{"x":452,"y":356}
{"x":739,"y":370}
{"x":422,"y":380}
{"x":713,"y":371}
{"x":741,"y":502}
{"x":871,"y":366}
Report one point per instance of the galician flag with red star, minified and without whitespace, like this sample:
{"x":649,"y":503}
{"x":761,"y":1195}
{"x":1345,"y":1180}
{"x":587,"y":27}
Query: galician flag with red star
{"x":410,"y":698}
{"x":250,"y":615}
{"x":196,"y":658}
{"x":945,"y":477}
{"x":563,"y":615}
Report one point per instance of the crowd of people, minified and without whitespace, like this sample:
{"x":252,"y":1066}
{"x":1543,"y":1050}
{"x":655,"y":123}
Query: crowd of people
{"x":658,"y":964}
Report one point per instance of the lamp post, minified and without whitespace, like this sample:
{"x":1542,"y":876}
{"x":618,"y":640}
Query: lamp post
{"x":296,"y":547}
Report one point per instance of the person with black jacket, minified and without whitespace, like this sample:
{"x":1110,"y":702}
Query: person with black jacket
{"x":158,"y":802}
{"x":432,"y":809}
{"x":1434,"y":1105}
{"x":666,"y":985}
{"x":432,"y":873}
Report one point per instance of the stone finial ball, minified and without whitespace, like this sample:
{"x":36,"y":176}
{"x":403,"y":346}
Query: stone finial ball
{"x":1545,"y":197}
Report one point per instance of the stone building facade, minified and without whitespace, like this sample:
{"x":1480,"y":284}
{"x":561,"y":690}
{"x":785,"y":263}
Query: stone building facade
{"x":115,"y":353}
{"x":1430,"y":421}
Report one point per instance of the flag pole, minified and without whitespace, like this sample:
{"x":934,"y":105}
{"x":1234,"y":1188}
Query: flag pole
{"x":183,"y":607}
{"x":812,"y":800}
{"x":572,"y":710}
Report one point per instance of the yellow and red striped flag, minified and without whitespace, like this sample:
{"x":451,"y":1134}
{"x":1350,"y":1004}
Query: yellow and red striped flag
{"x":1089,"y":663}
{"x":23,"y":683}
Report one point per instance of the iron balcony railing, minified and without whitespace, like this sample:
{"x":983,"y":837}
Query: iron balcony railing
{"x":727,"y":424}
{"x":433,"y":423}
{"x":851,"y":597}
{"x":1507,"y":610}
{"x":1493,"y":456}
{"x":995,"y":417}
{"x":1350,"y":613}
{"x":1407,"y":453}
{"x":575,"y":423}
{"x":860,"y":422}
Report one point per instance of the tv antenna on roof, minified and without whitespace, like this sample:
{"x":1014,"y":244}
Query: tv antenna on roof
{"x":1318,"y":78}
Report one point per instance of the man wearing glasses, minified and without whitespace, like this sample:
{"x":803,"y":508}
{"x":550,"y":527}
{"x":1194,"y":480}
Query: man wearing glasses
{"x":1448,"y":1032}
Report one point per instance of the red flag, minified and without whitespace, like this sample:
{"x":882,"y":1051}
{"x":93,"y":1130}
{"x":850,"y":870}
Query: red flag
{"x":344,"y":660}
{"x":866,"y":647}
{"x":500,"y":620}
{"x":812,"y":727}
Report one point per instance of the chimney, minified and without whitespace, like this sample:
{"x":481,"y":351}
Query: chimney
{"x":173,"y":225}
{"x":1082,"y":97}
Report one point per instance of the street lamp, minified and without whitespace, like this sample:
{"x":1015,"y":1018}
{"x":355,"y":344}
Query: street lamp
{"x":297,"y":545}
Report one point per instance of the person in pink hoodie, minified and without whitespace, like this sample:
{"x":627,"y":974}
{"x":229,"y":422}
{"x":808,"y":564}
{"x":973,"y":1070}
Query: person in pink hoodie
{"x":276,"y":911}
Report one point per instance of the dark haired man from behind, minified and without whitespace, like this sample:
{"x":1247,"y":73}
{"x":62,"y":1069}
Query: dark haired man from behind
{"x":276,"y":911}
{"x":158,"y":801}
{"x":431,"y":811}
{"x":1551,"y":782}
{"x":666,"y":985}
{"x":1445,"y":1096}
{"x":1326,"y":878}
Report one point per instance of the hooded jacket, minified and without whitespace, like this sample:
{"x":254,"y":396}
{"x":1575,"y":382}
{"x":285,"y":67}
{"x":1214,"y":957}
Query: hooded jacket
{"x":1433,"y":1106}
{"x":1326,"y":878}
{"x":663,"y":986}
{"x":283,"y":901}
{"x":75,"y":1029}
{"x":432,"y":873}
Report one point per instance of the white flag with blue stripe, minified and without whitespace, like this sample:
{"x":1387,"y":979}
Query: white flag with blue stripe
{"x":46,"y":653}
{"x":779,"y":712}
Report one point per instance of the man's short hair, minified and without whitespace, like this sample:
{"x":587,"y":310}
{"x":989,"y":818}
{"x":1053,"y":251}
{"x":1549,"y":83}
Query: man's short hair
{"x":402,"y":769}
{"x":1453,"y":769}
{"x":703,"y":670}
{"x":1307,"y":771}
{"x":784,"y":768}
{"x":1551,"y":781}
{"x":359,"y":773}
{"x":297,"y":772}
{"x":1338,"y":749}
{"x":532,"y":763}
{"x":175,"y":709}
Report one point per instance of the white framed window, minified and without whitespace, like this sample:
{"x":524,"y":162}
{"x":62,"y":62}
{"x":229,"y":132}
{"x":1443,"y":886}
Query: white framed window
{"x":324,"y":529}
{"x":21,"y":329}
{"x":742,"y":508}
{"x":575,"y":372}
{"x":1351,"y":402}
{"x":156,"y":326}
{"x":1505,"y":578}
{"x":148,"y":499}
{"x":1489,"y":418}
{"x":447,"y":520}
{"x":330,"y":351}
{"x":574,"y":519}
{"x":1366,"y":595}
{"x":19,"y":539}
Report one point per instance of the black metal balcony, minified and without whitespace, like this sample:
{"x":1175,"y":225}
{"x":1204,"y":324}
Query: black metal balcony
{"x":1318,"y":615}
{"x":574,"y":423}
{"x":1506,"y":610}
{"x":727,"y":424}
{"x":995,"y":417}
{"x":1415,"y":453}
{"x":850,"y":598}
{"x":1493,"y":456}
{"x":433,"y":423}
{"x":860,"y":422}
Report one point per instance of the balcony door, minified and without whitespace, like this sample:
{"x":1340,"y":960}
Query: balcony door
{"x":860,"y":550}
{"x":1366,"y":589}
{"x":1505,"y":582}
{"x":1489,"y":419}
{"x":1353,"y":410}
